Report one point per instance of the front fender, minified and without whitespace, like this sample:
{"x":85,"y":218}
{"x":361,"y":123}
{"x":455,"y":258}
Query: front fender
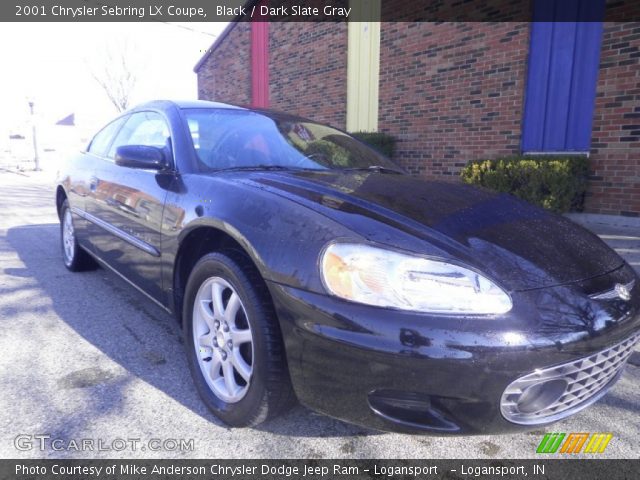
{"x":283,"y":238}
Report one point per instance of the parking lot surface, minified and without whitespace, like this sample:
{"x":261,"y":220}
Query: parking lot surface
{"x":88,"y":361}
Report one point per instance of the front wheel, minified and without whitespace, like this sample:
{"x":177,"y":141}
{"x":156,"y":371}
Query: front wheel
{"x":233,"y":341}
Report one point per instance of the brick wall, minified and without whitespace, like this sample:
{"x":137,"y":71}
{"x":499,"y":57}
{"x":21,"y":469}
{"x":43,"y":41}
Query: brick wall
{"x":308,"y":70}
{"x":452,"y":92}
{"x":615,"y":161}
{"x":225,"y":76}
{"x":449,"y":92}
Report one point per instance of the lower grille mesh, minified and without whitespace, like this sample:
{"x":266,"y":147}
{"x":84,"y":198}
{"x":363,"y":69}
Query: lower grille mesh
{"x":587,"y":379}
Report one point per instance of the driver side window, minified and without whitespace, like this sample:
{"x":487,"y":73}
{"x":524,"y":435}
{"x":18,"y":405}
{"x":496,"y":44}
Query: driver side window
{"x":143,"y":128}
{"x":101,"y":140}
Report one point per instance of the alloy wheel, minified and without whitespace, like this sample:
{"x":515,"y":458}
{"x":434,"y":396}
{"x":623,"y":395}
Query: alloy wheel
{"x":223,"y":340}
{"x":68,"y":237}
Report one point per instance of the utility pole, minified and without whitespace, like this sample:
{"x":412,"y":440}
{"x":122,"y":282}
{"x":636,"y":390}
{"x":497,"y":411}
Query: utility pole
{"x":36,"y":159}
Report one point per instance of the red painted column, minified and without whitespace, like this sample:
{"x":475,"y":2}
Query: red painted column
{"x":260,"y":62}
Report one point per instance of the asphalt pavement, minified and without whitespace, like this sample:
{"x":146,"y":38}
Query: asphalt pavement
{"x":92,"y":364}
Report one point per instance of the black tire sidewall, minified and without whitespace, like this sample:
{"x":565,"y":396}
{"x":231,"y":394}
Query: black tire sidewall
{"x":252,"y":407}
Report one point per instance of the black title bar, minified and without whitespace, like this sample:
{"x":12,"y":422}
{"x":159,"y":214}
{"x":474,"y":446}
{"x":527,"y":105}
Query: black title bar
{"x":318,"y":10}
{"x":542,"y":469}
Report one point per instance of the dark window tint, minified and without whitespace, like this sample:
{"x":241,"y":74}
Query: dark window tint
{"x":144,"y":128}
{"x":101,"y":141}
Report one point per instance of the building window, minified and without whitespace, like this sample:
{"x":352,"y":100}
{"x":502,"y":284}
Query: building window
{"x":562,"y":76}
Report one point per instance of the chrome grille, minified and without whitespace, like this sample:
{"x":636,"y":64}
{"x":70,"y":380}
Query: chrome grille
{"x":587,"y":379}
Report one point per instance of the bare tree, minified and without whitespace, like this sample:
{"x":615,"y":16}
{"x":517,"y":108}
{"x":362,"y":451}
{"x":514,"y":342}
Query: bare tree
{"x":117,"y":74}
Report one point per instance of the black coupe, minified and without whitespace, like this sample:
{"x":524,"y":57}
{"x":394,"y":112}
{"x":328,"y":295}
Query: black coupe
{"x":303,"y":264}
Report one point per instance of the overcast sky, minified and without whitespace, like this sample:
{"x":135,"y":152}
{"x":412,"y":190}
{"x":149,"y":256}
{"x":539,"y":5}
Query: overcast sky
{"x":50,"y":63}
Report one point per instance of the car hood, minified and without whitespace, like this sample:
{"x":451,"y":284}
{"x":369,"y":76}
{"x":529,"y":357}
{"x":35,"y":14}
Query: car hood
{"x":519,"y":245}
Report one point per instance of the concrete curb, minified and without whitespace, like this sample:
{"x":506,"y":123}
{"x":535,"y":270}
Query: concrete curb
{"x":613,"y":220}
{"x":14,"y":171}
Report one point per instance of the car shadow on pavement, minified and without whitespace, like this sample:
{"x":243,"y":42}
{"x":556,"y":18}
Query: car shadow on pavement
{"x":131,"y":331}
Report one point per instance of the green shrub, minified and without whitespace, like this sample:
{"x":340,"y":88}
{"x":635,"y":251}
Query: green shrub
{"x":382,"y":142}
{"x":555,"y":183}
{"x":331,"y":151}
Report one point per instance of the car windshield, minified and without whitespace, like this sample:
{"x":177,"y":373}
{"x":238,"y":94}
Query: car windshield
{"x":241,"y":139}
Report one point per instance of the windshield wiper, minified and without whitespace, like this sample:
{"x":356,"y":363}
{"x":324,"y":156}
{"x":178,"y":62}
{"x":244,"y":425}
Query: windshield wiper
{"x":256,"y":167}
{"x":375,"y":168}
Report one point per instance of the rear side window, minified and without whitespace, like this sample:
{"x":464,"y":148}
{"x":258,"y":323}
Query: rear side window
{"x":144,"y":128}
{"x":102,"y":139}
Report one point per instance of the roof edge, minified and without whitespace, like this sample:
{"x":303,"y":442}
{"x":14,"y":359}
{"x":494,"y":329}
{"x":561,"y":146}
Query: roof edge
{"x":218,"y":41}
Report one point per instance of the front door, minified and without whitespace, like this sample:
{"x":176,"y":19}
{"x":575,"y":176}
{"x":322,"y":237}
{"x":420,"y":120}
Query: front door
{"x":126,"y":206}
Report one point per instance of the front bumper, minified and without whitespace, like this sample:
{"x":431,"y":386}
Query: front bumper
{"x":417,"y":373}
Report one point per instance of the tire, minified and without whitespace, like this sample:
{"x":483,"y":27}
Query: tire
{"x":73,"y":256}
{"x":234,"y":345}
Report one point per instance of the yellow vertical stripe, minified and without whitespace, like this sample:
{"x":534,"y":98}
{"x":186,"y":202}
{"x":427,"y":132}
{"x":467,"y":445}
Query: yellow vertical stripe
{"x":591,"y":442}
{"x":605,"y":443}
{"x":363,"y":67}
{"x":596,"y":440}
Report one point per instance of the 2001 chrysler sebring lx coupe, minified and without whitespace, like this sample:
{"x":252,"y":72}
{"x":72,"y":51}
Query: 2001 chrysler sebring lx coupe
{"x":301,"y":263}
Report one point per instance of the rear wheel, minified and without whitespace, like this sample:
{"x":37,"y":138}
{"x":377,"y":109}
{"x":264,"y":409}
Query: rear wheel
{"x":233,"y":341}
{"x":74,"y":257}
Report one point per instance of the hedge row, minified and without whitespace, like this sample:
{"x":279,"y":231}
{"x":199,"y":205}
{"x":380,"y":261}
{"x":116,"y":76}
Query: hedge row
{"x":555,"y":183}
{"x":382,"y":142}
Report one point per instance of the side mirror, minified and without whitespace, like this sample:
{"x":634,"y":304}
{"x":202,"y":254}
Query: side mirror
{"x":141,"y":156}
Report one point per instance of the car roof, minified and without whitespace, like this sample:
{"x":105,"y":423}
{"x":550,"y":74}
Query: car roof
{"x":161,"y":104}
{"x":182,"y":104}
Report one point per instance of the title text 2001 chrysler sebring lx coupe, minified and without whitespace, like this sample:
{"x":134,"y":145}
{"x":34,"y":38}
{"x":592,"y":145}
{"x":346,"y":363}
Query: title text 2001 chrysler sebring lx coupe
{"x":301,"y":263}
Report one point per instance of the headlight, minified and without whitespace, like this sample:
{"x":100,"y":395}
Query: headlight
{"x":384,"y":278}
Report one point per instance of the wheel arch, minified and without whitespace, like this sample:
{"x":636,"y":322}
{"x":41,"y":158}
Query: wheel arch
{"x":61,"y":196}
{"x":198,"y":242}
